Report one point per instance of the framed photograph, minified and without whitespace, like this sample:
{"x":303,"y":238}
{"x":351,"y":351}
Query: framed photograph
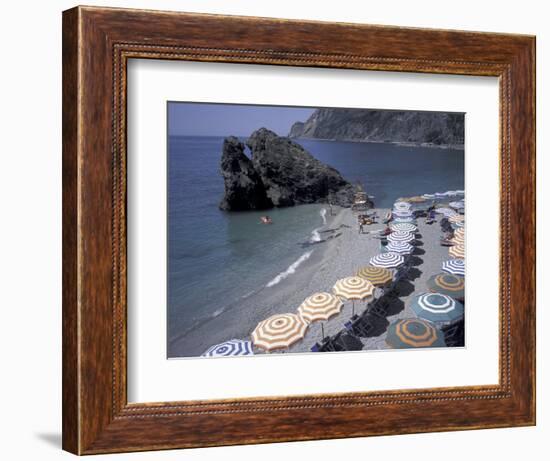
{"x":282,"y":230}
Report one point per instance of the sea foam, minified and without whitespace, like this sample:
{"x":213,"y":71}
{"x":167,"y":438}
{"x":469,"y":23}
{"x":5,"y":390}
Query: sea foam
{"x":291,"y":269}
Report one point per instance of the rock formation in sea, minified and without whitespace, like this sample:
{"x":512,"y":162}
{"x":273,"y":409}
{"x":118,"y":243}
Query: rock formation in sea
{"x":244,"y":189}
{"x":282,"y":171}
{"x":369,"y":125}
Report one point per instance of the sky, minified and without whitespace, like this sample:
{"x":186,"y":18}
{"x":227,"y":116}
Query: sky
{"x":208,"y":119}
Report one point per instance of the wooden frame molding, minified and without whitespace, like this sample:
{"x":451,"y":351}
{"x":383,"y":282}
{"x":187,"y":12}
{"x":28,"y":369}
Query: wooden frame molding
{"x":97,"y":44}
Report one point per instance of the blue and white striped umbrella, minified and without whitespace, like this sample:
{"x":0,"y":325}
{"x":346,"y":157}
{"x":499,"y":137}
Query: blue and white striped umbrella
{"x":402,"y":226}
{"x":457,"y":205}
{"x":402,"y":213}
{"x":402,"y":248}
{"x":437,"y":307}
{"x":387,"y":260}
{"x":447,"y":212}
{"x":402,"y":206}
{"x":401,"y":236}
{"x":454,"y":266}
{"x":409,"y":220}
{"x":231,"y":348}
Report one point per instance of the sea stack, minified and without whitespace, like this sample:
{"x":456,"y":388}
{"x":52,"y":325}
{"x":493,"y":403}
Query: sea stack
{"x":244,"y":189}
{"x":288,"y":174}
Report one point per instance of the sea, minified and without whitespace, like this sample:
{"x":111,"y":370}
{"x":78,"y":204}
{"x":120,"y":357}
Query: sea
{"x":218,"y":258}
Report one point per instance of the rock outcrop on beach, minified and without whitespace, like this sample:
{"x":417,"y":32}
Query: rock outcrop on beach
{"x":281,"y":171}
{"x":244,"y":189}
{"x":366,"y":125}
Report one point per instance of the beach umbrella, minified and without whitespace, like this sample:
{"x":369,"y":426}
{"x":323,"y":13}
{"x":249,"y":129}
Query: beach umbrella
{"x":402,"y":206}
{"x":457,"y":205}
{"x":411,"y":333}
{"x":454,"y":266}
{"x":457,"y":240}
{"x":458,"y":218}
{"x":402,"y":248}
{"x":387,"y":260}
{"x":375,"y":275}
{"x":401,"y":236}
{"x":417,"y":199}
{"x":279,"y":331}
{"x":459,"y":233}
{"x":404,"y":227}
{"x":436,"y":307}
{"x":457,"y":251}
{"x":354,"y":288}
{"x":402,"y":213}
{"x":447,"y":212}
{"x":231,"y":348}
{"x":320,"y":306}
{"x":410,"y":220}
{"x":447,"y":284}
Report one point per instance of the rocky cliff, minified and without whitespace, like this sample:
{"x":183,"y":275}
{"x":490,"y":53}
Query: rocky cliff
{"x":244,"y":189}
{"x":436,"y":128}
{"x":281,"y":173}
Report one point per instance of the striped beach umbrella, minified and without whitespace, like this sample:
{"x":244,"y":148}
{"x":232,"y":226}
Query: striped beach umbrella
{"x":454,"y":266}
{"x":401,"y":206}
{"x":402,"y":248}
{"x":436,"y":307}
{"x":353,"y":288}
{"x":375,"y":275}
{"x":411,"y":333}
{"x":410,"y":220}
{"x":403,"y":227}
{"x":459,"y":233}
{"x":447,"y":284}
{"x":387,"y":260}
{"x":401,"y":236}
{"x":320,"y":307}
{"x":458,"y":218}
{"x":279,"y":331}
{"x":231,"y":348}
{"x":457,"y":251}
{"x":447,"y":212}
{"x":402,"y":213}
{"x":457,"y":240}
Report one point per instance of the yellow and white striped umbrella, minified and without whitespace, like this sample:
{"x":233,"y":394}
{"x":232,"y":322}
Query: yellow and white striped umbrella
{"x":457,"y":240}
{"x":459,"y":233}
{"x":378,"y":276}
{"x":320,"y":306}
{"x":279,"y":331}
{"x":456,"y":219}
{"x":354,"y":288}
{"x":457,"y":251}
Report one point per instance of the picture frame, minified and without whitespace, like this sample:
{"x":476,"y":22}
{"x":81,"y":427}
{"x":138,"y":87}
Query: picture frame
{"x":97,"y":44}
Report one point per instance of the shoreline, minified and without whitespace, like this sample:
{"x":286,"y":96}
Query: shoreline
{"x":341,"y":253}
{"x":238,"y":319}
{"x":396,"y":143}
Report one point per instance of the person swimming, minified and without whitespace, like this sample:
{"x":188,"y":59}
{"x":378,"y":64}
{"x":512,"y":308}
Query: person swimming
{"x":266,"y":220}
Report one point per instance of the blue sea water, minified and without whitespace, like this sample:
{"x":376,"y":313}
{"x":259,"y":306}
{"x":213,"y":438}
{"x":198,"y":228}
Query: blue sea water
{"x":216,"y":258}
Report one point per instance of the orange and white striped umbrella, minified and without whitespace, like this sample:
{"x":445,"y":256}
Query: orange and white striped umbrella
{"x":320,"y":306}
{"x":457,"y":251}
{"x":354,"y":288}
{"x":459,"y":233}
{"x":279,"y":331}
{"x":457,"y":219}
{"x":378,"y":276}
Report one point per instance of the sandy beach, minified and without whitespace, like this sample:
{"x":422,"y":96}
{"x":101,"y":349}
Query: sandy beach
{"x":340,"y":253}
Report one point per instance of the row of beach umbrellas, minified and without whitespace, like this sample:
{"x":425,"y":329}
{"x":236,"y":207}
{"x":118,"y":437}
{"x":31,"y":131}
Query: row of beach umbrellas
{"x":281,"y":331}
{"x":441,"y":304}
